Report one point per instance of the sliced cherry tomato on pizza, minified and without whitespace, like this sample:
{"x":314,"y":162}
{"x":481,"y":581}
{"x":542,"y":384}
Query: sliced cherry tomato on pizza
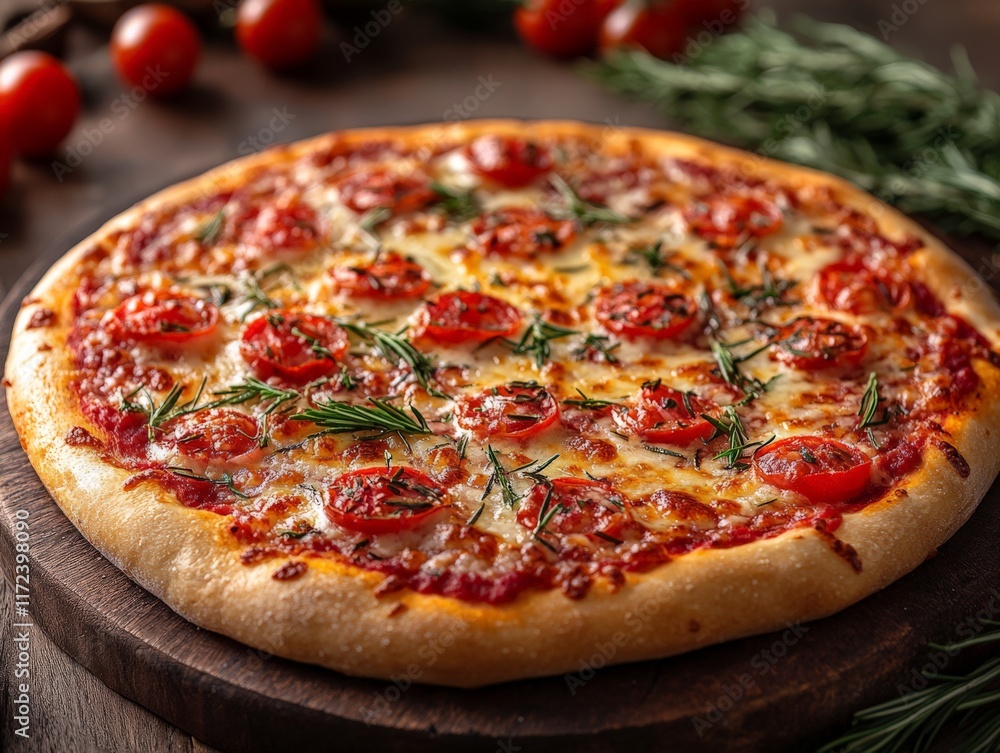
{"x":39,"y":102}
{"x":663,"y":414}
{"x":382,"y":500}
{"x":282,"y":34}
{"x":376,"y":188}
{"x":567,"y":506}
{"x":561,"y":29}
{"x":815,"y":343}
{"x":217,"y":435}
{"x":164,"y":318}
{"x":156,"y":48}
{"x":390,"y":276}
{"x":521,"y":231}
{"x":727,"y":221}
{"x":511,"y":162}
{"x":298,"y":347}
{"x":464,"y":316}
{"x":287,"y":226}
{"x":645,"y":309}
{"x":517,"y":411}
{"x":821,"y":470}
{"x":851,"y":286}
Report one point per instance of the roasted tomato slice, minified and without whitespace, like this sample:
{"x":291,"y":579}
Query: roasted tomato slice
{"x":370,"y":189}
{"x":662,"y":414}
{"x":511,"y":162}
{"x":814,"y":343}
{"x":727,"y":221}
{"x":567,"y":506}
{"x":850,"y":286}
{"x":218,"y":435}
{"x":298,"y":347}
{"x":164,"y":318}
{"x":286,"y":227}
{"x":645,"y":309}
{"x":380,"y":500}
{"x":521,"y":231}
{"x":464,"y":316}
{"x":515,"y":410}
{"x":391,"y":276}
{"x":821,"y":470}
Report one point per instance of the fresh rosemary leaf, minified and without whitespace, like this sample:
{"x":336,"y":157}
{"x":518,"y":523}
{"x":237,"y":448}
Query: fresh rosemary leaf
{"x":380,"y":416}
{"x":254,"y":389}
{"x":537,"y":338}
{"x":597,"y":344}
{"x":731,"y":425}
{"x":588,"y":403}
{"x":226,"y":479}
{"x":729,"y":368}
{"x":208,"y":233}
{"x":585,"y":211}
{"x":459,"y":205}
{"x":394,"y":347}
{"x":869,"y":403}
{"x":500,"y":477}
{"x":656,"y":259}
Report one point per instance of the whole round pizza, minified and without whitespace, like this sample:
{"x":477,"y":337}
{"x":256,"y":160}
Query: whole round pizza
{"x":478,"y":398}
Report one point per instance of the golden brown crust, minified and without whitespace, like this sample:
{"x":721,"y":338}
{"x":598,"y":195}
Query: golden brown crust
{"x":331,"y":615}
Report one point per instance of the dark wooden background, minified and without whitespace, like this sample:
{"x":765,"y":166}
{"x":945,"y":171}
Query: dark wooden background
{"x":414,"y":71}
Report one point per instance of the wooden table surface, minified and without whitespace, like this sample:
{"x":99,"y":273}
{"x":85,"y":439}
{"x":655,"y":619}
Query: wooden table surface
{"x":416,"y":70}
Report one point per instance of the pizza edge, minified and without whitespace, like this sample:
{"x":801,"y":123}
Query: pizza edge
{"x":331,"y":615}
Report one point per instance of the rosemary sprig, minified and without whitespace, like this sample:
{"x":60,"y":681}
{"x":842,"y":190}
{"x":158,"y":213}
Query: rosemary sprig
{"x":381,"y":416}
{"x":537,"y":338}
{"x":394,"y":347}
{"x":500,"y":477}
{"x":459,"y":205}
{"x":915,"y":720}
{"x":226,"y":479}
{"x":857,"y":108}
{"x":253,"y":294}
{"x":585,"y":211}
{"x":209,"y":231}
{"x":868,"y":411}
{"x":251,"y":389}
{"x":731,"y":425}
{"x":370,"y":221}
{"x":656,"y":259}
{"x":158,"y":414}
{"x":593,"y":343}
{"x":729,"y":368}
{"x":588,"y":403}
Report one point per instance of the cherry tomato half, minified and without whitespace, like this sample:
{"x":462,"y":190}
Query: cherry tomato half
{"x":298,"y":347}
{"x":645,"y":309}
{"x":156,"y":48}
{"x":662,"y":414}
{"x":39,"y":102}
{"x":379,"y":500}
{"x":569,"y":506}
{"x":663,"y":27}
{"x":727,"y":221}
{"x":814,"y":343}
{"x":516,"y":411}
{"x":559,"y":28}
{"x":821,"y":470}
{"x":163,"y":318}
{"x":850,"y":286}
{"x":282,"y":34}
{"x":367,"y":189}
{"x":391,"y":276}
{"x":464,"y":316}
{"x":511,"y":162}
{"x":521,"y":231}
{"x":213,"y":436}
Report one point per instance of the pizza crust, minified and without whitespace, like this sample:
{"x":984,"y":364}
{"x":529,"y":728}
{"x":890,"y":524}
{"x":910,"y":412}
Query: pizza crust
{"x":331,"y":616}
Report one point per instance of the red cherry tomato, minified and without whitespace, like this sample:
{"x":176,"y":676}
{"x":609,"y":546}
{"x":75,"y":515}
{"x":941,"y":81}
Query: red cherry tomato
{"x":214,"y":436}
{"x":511,"y":162}
{"x":521,"y":231}
{"x":516,"y":411}
{"x":467,"y":317}
{"x":291,"y":226}
{"x":156,"y":48}
{"x":298,"y":347}
{"x":821,"y":470}
{"x":391,"y":276}
{"x":727,"y":221}
{"x":568,"y":506}
{"x":663,"y":27}
{"x":813,"y":343}
{"x":850,"y":286}
{"x":645,"y":309}
{"x":559,"y":28}
{"x":39,"y":102}
{"x":662,"y":414}
{"x":163,"y":318}
{"x":282,"y":34}
{"x":367,"y":189}
{"x":378,"y":500}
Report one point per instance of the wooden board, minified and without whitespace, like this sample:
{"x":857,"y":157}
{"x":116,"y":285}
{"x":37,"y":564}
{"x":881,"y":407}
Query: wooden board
{"x":776,"y":692}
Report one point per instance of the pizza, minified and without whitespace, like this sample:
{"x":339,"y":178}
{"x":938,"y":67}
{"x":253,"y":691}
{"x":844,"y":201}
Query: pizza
{"x":465,"y":402}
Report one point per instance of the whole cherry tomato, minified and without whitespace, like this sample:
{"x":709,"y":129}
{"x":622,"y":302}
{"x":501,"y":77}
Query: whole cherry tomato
{"x":282,"y":34}
{"x":664,"y":27}
{"x":39,"y":101}
{"x":156,"y":48}
{"x":561,"y":28}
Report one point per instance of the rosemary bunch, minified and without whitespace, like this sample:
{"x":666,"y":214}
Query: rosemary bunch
{"x":831,"y":97}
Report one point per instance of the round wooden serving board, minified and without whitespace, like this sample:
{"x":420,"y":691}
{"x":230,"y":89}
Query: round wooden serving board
{"x":784,"y":691}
